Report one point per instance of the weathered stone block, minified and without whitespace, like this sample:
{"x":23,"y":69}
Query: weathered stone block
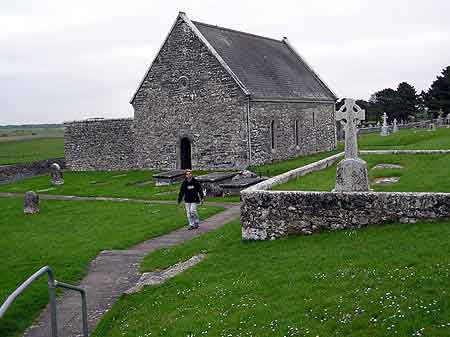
{"x":31,"y":203}
{"x":351,"y":175}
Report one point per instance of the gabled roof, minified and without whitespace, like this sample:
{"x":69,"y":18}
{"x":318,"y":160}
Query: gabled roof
{"x":264,"y":68}
{"x":268,"y":68}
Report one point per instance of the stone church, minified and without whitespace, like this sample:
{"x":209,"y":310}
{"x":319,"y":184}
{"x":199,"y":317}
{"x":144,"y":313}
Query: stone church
{"x":213,"y":98}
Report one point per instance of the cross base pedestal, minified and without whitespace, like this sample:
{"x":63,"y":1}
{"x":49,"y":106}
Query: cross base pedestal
{"x":351,"y":176}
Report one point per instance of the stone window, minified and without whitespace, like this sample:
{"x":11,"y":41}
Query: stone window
{"x":272,"y":134}
{"x":313,"y":119}
{"x":183,"y":82}
{"x":296,"y":132}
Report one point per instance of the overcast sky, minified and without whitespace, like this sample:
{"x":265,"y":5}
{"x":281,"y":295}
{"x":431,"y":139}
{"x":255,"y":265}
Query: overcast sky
{"x":68,"y":60}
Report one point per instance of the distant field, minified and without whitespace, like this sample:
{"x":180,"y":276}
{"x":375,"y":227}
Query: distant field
{"x":31,"y":130}
{"x":23,"y":151}
{"x":22,"y":144}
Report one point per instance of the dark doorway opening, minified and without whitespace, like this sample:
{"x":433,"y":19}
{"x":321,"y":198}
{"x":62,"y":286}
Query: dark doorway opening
{"x":185,"y":153}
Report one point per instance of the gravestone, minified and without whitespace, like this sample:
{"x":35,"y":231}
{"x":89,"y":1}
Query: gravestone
{"x":385,"y":127}
{"x":448,"y":119}
{"x":56,"y":174}
{"x":31,"y":203}
{"x":351,"y":172}
{"x":395,"y":126}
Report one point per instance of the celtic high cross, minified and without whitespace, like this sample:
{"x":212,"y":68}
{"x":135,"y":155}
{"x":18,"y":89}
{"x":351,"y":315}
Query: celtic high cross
{"x":350,"y":114}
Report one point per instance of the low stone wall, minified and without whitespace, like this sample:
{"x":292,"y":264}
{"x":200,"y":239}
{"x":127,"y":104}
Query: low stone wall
{"x":272,"y":214}
{"x":10,"y":173}
{"x":103,"y":144}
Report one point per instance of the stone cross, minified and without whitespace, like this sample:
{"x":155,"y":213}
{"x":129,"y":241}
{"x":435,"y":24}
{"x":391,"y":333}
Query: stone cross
{"x":385,"y":118}
{"x":395,"y":127}
{"x":385,"y":127}
{"x":56,"y":174}
{"x":350,"y":115}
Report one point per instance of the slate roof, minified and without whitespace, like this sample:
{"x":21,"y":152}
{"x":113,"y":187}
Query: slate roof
{"x":268,"y":68}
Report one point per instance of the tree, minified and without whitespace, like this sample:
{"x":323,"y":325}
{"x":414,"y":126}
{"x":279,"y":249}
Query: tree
{"x":387,"y":99}
{"x":438,"y":96}
{"x":407,"y":101}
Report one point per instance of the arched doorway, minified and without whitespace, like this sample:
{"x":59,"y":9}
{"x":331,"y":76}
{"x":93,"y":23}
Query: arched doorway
{"x":185,"y":153}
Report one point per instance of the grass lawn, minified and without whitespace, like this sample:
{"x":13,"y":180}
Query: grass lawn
{"x":67,"y":235}
{"x":381,"y":281}
{"x":404,"y":139}
{"x":420,"y":173}
{"x":126,"y":184}
{"x":28,"y":150}
{"x":407,"y":139}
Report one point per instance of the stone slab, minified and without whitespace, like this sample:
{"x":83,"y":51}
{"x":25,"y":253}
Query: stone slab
{"x":386,"y":180}
{"x":234,"y":187}
{"x":168,"y":177}
{"x":215,"y":177}
{"x":169,"y":174}
{"x":383,"y":166}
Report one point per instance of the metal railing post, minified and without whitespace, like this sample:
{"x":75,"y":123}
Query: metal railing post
{"x":52,"y":299}
{"x":83,"y":303}
{"x":52,"y":285}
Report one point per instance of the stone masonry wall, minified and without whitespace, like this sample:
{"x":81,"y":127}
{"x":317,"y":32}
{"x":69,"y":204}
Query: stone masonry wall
{"x":273,"y":214}
{"x":316,"y":129}
{"x":14,"y":172}
{"x":105,"y":144}
{"x":187,"y":93}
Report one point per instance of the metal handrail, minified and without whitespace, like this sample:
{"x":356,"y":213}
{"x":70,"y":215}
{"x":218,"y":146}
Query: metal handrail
{"x":52,"y":285}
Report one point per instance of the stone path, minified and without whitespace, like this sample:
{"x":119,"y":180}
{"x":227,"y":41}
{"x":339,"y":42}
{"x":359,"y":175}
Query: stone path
{"x":114,"y":271}
{"x":141,"y":201}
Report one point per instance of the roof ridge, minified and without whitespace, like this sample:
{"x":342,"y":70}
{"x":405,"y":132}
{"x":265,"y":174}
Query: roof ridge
{"x":237,"y":31}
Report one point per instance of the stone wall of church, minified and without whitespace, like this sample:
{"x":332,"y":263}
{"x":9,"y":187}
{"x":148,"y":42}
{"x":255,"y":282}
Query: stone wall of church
{"x":187,"y":93}
{"x":316,"y":130}
{"x":104,"y":144}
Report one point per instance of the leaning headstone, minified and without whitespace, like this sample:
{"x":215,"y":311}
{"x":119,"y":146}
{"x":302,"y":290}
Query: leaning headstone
{"x":351,"y":172}
{"x":385,"y":127}
{"x":395,"y":126}
{"x":56,"y":174}
{"x":31,"y":203}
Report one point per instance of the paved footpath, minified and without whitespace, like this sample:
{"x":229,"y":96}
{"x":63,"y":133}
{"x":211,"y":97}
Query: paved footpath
{"x":114,"y":271}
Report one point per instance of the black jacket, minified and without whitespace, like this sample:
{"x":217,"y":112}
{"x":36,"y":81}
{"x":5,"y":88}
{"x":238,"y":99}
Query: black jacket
{"x":191,"y":190}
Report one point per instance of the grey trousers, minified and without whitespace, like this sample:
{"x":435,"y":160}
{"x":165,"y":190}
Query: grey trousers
{"x":191,"y":213}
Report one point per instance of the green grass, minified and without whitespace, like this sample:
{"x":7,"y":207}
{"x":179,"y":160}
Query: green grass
{"x":382,"y":281}
{"x":278,"y":167}
{"x":407,"y":139}
{"x":420,"y":173}
{"x":125,"y":184}
{"x":404,"y":139}
{"x":29,"y":150}
{"x":67,"y":235}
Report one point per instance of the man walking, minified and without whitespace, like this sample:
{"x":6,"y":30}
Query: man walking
{"x":193,"y":195}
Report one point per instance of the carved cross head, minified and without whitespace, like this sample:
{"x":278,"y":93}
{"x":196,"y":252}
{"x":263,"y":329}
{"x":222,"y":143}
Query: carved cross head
{"x":350,"y":112}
